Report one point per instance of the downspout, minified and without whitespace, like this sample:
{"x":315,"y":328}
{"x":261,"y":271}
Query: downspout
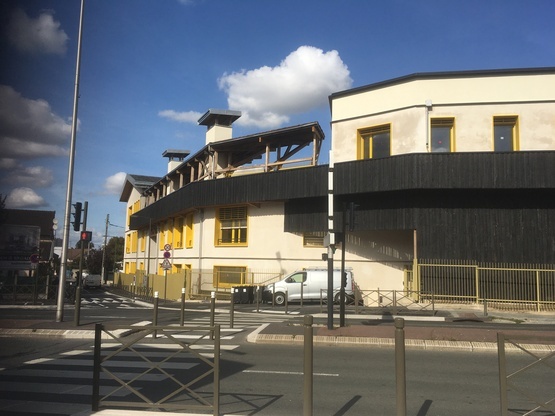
{"x":428,"y":106}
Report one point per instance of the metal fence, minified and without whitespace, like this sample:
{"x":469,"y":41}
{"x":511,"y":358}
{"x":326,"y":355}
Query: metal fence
{"x":503,"y":286}
{"x":520,"y":391}
{"x":177,"y":381}
{"x":34,"y":293}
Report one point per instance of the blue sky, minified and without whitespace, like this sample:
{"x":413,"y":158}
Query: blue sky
{"x":150,"y":68}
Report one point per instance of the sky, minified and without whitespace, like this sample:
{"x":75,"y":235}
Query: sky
{"x":151,"y":68}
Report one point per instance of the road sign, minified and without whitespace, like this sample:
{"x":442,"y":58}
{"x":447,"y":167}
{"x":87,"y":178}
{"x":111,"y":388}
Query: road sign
{"x":167,"y":247}
{"x":167,"y":254}
{"x":166,"y":264}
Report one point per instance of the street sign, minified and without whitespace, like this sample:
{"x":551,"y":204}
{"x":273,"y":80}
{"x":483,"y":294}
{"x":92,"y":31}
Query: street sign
{"x":166,"y":264}
{"x":167,"y":247}
{"x":167,"y":254}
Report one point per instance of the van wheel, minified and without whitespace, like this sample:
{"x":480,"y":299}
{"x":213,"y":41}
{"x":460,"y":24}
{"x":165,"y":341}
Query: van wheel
{"x":337,"y":298}
{"x":279,"y":298}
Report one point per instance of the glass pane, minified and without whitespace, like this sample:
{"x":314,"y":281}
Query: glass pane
{"x":380,"y":145}
{"x":503,"y":137}
{"x":441,"y":138}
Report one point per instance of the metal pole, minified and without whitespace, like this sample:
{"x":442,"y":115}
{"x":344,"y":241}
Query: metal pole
{"x":77,"y":312}
{"x":65,"y":244}
{"x":212,"y":312}
{"x":155,"y":311}
{"x":286,"y":301}
{"x":96,"y":367}
{"x":217,"y":371}
{"x":232,"y":307}
{"x":503,"y":399}
{"x":103,"y":277}
{"x":400,"y":374}
{"x":331,"y":246}
{"x":342,"y":289}
{"x":308,"y":366}
{"x":182,"y":316}
{"x":257,"y":299}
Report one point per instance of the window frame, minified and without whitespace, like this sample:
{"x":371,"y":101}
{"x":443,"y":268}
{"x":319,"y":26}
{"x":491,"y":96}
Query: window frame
{"x":443,"y":122}
{"x":236,"y":230}
{"x":365,"y":141}
{"x":217,"y":272}
{"x":507,"y":120}
{"x":314,"y":239}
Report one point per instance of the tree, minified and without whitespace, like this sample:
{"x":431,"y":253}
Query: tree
{"x":114,"y":253}
{"x":94,"y":261}
{"x":88,"y":245}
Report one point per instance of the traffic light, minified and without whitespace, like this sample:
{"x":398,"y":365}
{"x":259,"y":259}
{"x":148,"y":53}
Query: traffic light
{"x":344,"y":279}
{"x":77,"y":216}
{"x":86,"y":236}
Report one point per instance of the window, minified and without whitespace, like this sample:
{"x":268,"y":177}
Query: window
{"x":143,"y":238}
{"x":375,"y":142}
{"x":178,"y":232}
{"x":128,"y":243}
{"x":229,"y":276}
{"x":505,"y":133}
{"x":442,"y":138}
{"x":313,"y":239}
{"x":134,"y":236}
{"x":189,"y":231}
{"x":231,"y":226}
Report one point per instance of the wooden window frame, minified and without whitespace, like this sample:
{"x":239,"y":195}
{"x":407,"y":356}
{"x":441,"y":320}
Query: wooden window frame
{"x":365,"y":140}
{"x":226,"y":219}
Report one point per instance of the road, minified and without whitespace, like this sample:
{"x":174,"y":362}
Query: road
{"x":43,"y":376}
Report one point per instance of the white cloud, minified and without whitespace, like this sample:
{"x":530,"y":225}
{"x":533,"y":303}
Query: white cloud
{"x":24,"y":198}
{"x":183,"y":117}
{"x":268,"y":96}
{"x":39,"y":35}
{"x":114,"y":184}
{"x":29,"y":128}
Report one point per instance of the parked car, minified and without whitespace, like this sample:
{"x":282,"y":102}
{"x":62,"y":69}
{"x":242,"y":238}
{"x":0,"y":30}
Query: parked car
{"x":314,"y":283}
{"x":92,"y":280}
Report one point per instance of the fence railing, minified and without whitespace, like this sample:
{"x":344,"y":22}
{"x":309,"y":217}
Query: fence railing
{"x":502,"y":286}
{"x":518,"y":384}
{"x":177,"y":382}
{"x":31,"y":293}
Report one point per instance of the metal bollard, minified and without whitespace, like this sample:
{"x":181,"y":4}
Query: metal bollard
{"x":257,"y":299}
{"x":77,"y":314}
{"x":155,"y":312}
{"x":286,"y":302}
{"x":182,"y":316}
{"x":485,"y":307}
{"x":212,"y":312}
{"x":232,"y":308}
{"x":400,"y":373}
{"x":308,"y":366}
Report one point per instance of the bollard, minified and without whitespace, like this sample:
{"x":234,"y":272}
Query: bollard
{"x":286,"y":302}
{"x":485,"y":307}
{"x":400,"y":374}
{"x":182,"y":317}
{"x":308,"y":365}
{"x":155,"y":312}
{"x":257,"y":299}
{"x":232,"y":308}
{"x":77,"y":314}
{"x":212,"y":312}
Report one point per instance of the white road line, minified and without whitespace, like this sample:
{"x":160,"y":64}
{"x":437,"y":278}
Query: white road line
{"x":293,"y":373}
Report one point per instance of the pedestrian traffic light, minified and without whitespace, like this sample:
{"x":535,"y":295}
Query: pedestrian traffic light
{"x":86,"y":236}
{"x":77,"y":216}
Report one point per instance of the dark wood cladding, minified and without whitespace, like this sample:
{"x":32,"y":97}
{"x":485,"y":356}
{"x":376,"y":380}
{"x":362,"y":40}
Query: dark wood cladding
{"x":482,"y":206}
{"x":476,"y":170}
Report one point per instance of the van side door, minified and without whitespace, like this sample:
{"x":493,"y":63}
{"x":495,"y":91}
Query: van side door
{"x":294,"y":283}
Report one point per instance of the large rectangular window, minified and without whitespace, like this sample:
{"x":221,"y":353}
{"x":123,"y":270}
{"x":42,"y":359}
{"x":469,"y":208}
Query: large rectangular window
{"x":231,"y":226}
{"x":442,"y":134}
{"x":189,"y":231}
{"x":374,"y":142}
{"x":228,"y":276}
{"x":505,"y":133}
{"x":178,"y":232}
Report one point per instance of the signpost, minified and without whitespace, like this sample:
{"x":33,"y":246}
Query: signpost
{"x":166,"y":265}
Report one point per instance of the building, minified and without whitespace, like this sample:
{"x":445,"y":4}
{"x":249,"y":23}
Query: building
{"x":456,"y":166}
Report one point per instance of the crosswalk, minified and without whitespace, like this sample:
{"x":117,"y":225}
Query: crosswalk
{"x":62,"y":385}
{"x":109,"y":302}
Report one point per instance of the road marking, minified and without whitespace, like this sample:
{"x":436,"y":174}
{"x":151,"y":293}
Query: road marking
{"x":293,"y":373}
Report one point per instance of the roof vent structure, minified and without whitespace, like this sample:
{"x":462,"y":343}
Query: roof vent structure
{"x":175,"y":157}
{"x":218,"y":123}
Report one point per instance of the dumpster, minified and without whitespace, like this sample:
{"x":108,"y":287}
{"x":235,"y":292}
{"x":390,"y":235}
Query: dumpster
{"x":244,"y":294}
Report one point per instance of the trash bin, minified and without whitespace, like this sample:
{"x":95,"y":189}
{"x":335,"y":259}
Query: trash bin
{"x":240,"y":295}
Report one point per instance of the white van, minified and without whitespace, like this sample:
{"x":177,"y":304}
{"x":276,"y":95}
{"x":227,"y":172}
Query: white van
{"x":92,"y":280}
{"x":314,"y":282}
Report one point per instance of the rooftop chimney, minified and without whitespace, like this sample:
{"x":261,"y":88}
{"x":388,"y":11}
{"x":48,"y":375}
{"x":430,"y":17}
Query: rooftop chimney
{"x":175,"y":157}
{"x":218,"y":123}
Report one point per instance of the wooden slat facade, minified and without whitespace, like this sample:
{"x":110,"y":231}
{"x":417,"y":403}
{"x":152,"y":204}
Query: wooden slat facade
{"x":483,"y":206}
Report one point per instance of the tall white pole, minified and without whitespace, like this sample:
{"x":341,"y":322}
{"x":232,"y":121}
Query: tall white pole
{"x":331,"y":246}
{"x":103,"y":277}
{"x":63,"y":264}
